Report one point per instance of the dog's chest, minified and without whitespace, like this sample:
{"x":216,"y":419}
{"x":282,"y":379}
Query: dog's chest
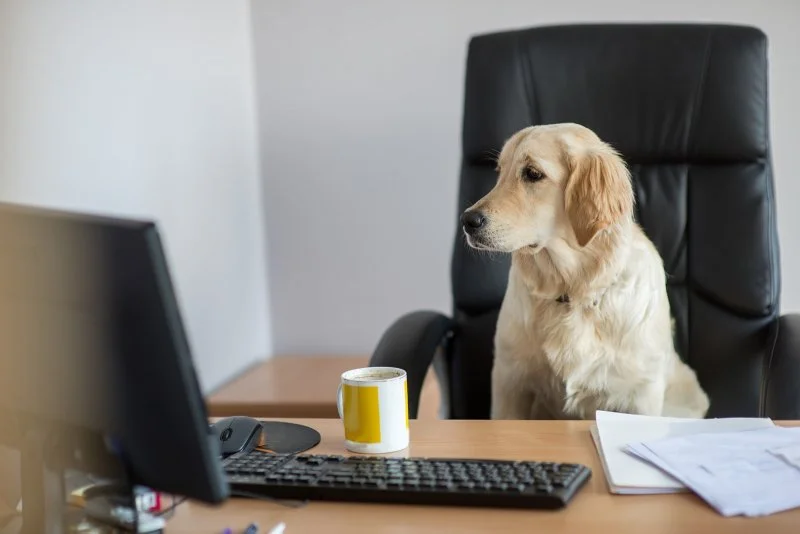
{"x":556,"y":325}
{"x":573,"y":351}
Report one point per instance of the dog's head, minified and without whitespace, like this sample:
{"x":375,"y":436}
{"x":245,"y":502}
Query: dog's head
{"x":554,"y":181}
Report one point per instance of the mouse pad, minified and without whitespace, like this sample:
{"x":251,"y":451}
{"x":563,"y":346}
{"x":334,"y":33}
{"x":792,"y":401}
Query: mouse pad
{"x":286,"y":438}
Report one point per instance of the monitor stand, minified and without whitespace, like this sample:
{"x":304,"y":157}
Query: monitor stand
{"x":46,"y":454}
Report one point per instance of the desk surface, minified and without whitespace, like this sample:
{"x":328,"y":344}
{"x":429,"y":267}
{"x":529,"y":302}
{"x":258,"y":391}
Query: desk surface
{"x":288,"y":386}
{"x":298,"y":387}
{"x":593,"y":510}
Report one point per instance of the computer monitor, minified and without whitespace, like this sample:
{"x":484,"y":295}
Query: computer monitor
{"x":96,"y":372}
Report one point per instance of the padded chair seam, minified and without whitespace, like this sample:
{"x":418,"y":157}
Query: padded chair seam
{"x":480,"y":160}
{"x":731,"y":308}
{"x":701,"y":90}
{"x":766,"y":369}
{"x":527,"y":79}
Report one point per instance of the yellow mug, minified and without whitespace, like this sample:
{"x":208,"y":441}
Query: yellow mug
{"x":373,"y":405}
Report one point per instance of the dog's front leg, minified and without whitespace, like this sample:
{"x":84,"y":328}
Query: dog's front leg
{"x":583,"y":399}
{"x":512,"y":398}
{"x":647,"y":399}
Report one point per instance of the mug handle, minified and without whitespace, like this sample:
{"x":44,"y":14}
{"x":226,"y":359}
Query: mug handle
{"x":340,"y":402}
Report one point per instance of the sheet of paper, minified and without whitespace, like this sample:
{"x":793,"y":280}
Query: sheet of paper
{"x":788,"y":453}
{"x":734,"y":472}
{"x":630,"y":475}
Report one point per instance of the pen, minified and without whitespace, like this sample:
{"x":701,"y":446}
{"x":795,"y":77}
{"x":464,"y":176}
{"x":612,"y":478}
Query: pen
{"x":252,"y":529}
{"x":278,"y":529}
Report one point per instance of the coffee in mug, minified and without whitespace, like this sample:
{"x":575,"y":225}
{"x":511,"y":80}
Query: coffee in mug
{"x":373,"y":406}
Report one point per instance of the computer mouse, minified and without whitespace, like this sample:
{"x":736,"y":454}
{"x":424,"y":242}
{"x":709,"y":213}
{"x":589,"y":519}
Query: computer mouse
{"x":237,"y":434}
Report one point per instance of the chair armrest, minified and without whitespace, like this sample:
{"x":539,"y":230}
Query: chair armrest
{"x":410,"y":344}
{"x":782,"y":376}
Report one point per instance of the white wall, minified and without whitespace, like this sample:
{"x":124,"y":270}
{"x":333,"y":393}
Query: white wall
{"x":361,"y":116}
{"x":147,"y":109}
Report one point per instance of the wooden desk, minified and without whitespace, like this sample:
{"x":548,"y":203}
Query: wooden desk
{"x":594,"y":510}
{"x":299,"y":386}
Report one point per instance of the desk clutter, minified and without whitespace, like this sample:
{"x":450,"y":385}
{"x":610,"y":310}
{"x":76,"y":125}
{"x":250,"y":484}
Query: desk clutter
{"x":373,"y":407}
{"x":739,"y":466}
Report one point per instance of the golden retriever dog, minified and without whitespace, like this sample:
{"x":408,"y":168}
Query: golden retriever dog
{"x":585,"y":323}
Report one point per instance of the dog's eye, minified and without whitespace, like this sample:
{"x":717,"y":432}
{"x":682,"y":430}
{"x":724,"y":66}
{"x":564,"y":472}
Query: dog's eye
{"x":531,"y":175}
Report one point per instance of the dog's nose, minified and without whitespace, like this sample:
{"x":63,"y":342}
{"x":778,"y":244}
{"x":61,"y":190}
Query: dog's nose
{"x":472,"y":221}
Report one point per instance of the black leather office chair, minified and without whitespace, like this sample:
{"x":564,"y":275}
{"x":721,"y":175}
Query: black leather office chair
{"x":687,"y":107}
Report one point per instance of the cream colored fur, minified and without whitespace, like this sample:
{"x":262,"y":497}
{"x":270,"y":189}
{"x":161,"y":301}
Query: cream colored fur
{"x":563,"y":208}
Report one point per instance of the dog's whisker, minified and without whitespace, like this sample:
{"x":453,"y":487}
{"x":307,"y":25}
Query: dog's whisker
{"x":491,"y":155}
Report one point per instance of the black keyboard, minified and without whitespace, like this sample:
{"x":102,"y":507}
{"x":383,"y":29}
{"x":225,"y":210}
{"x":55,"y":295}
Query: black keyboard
{"x":538,"y":485}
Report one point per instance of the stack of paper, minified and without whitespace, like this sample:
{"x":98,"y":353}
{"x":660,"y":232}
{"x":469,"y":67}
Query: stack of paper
{"x":627,"y":474}
{"x":749,"y":473}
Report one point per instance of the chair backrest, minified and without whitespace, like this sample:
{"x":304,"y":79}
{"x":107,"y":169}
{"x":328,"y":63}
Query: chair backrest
{"x":686,"y":105}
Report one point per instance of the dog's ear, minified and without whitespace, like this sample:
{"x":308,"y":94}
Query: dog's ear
{"x":598,"y":192}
